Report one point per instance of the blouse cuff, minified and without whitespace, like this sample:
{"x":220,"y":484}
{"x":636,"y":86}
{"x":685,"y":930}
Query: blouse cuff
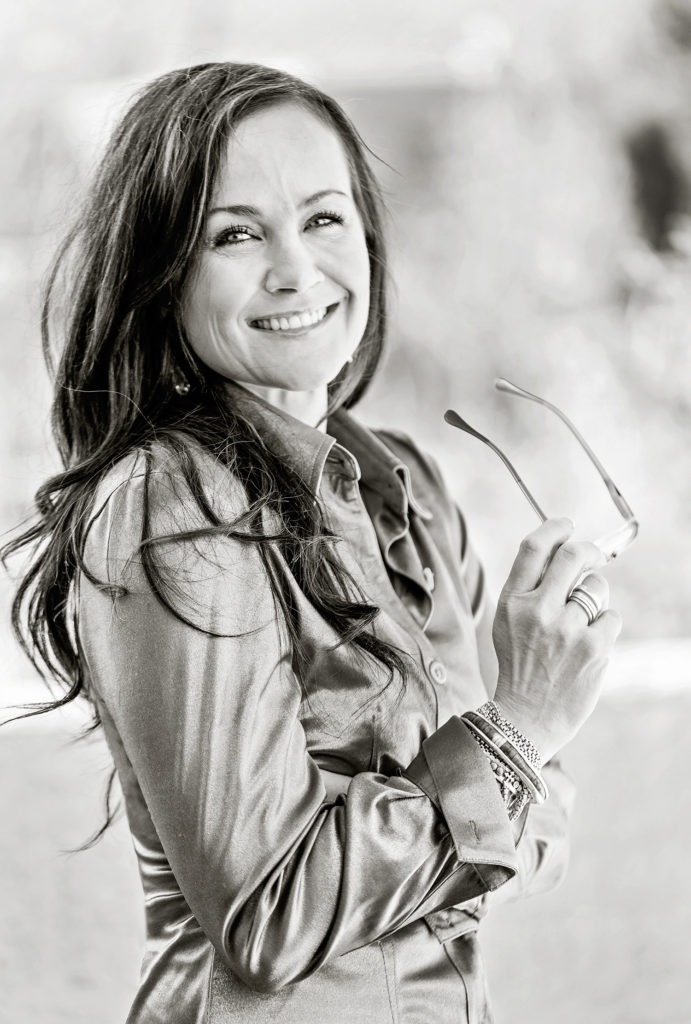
{"x":455,"y":774}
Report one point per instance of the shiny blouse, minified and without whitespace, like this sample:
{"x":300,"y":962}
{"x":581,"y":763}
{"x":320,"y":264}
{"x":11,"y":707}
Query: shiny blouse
{"x":267,"y":899}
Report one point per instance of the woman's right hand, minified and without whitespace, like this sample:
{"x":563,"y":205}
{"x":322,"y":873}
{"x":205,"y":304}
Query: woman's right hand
{"x":551,"y":662}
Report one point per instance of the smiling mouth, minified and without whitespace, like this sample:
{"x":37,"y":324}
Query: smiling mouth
{"x":294,"y":321}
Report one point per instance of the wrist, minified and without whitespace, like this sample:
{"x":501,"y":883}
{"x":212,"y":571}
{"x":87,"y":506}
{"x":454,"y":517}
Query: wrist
{"x":522,"y":720}
{"x":494,"y":714}
{"x":501,"y":740}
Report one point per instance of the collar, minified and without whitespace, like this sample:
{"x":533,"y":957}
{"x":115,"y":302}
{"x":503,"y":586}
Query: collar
{"x":381,"y":468}
{"x":358,"y":451}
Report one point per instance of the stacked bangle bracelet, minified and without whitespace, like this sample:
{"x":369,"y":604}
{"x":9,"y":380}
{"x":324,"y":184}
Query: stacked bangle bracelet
{"x":498,"y":736}
{"x":491,"y":712}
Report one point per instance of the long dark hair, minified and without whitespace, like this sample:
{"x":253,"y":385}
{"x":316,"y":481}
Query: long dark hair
{"x":122,"y":270}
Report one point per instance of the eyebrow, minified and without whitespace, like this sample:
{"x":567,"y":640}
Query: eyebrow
{"x":252,"y":211}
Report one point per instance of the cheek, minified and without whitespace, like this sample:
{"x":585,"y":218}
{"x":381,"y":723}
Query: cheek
{"x":195,"y":301}
{"x":212,"y":297}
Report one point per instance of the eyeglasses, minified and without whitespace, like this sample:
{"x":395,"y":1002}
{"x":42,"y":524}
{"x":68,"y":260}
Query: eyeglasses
{"x":611,"y":544}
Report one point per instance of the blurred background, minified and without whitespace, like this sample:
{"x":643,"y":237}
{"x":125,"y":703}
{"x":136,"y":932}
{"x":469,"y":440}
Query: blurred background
{"x":536,"y":159}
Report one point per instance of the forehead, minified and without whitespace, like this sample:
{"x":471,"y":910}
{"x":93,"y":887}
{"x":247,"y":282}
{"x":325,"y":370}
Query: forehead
{"x":283,"y":153}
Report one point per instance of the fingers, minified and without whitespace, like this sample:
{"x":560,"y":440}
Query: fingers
{"x":535,"y":552}
{"x":607,"y":626}
{"x":570,"y":562}
{"x":597,"y":587}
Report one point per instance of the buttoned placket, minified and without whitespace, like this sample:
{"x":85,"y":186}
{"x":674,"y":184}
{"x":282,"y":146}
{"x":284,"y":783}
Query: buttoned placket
{"x":349,"y":517}
{"x":312,"y":453}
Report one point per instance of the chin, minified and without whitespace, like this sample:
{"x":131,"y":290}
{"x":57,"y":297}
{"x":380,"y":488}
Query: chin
{"x":311,"y":378}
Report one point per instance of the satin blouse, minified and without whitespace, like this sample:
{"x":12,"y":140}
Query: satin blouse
{"x":266,"y":899}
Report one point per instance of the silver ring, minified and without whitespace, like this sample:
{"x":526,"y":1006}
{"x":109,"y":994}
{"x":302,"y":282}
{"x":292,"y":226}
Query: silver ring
{"x":583,"y":597}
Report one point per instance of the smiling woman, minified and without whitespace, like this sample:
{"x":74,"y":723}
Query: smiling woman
{"x":274,"y":611}
{"x":280,"y":298}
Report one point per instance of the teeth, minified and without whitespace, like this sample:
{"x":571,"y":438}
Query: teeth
{"x":291,"y":323}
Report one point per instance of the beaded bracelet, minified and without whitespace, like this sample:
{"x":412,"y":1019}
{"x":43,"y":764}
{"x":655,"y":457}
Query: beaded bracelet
{"x":491,"y":711}
{"x":503,"y":748}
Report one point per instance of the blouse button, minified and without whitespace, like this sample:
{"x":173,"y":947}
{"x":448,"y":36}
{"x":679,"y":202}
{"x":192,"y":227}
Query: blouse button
{"x":437,"y":672}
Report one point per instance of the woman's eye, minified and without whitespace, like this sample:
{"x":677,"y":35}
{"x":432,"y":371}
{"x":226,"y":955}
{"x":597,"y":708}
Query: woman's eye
{"x":232,"y":236}
{"x":325,"y":219}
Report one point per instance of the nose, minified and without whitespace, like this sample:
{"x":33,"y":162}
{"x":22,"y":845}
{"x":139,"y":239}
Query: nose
{"x":292,"y":267}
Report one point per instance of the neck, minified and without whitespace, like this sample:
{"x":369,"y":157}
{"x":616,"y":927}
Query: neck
{"x":307,"y":406}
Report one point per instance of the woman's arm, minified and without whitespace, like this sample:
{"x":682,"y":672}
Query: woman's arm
{"x":543,"y":847}
{"x":208,"y":715}
{"x":279,"y":878}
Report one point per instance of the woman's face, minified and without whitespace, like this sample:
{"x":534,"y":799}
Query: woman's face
{"x":279,"y":296}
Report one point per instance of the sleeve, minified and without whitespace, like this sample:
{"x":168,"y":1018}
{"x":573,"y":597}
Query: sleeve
{"x":543,"y":846}
{"x":543,"y":851}
{"x":541,"y":831}
{"x":279,"y":878}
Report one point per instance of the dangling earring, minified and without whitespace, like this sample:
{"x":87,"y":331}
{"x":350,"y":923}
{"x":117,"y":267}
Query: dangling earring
{"x":182,"y":386}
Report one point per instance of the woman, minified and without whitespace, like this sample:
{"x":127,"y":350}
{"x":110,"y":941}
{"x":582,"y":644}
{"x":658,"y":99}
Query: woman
{"x":276,"y":612}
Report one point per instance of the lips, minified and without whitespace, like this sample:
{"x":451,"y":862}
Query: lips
{"x":293,"y":321}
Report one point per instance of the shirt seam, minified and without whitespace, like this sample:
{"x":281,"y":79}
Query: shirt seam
{"x":390,"y":987}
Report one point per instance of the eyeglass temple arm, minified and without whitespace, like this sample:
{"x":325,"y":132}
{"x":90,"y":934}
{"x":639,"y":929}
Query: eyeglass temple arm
{"x":501,"y":384}
{"x":455,"y":420}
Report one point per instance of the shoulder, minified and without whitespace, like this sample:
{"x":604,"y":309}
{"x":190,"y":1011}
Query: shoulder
{"x":168,"y":478}
{"x":158,"y":490}
{"x":166,"y":526}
